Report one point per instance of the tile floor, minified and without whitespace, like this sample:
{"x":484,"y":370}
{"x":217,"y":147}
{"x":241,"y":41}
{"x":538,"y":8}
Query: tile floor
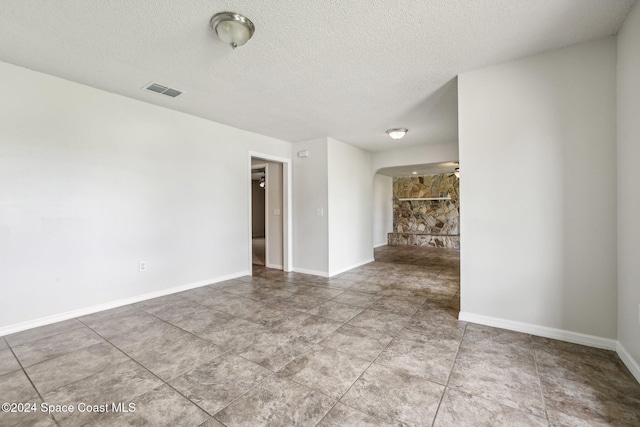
{"x":258,"y":251}
{"x":378,"y":345}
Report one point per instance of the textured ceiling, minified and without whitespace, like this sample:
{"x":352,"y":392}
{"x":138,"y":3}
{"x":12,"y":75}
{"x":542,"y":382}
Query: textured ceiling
{"x":348,"y":69}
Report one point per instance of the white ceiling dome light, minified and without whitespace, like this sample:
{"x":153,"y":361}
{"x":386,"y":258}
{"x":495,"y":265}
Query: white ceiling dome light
{"x":397,"y":133}
{"x":232,"y":28}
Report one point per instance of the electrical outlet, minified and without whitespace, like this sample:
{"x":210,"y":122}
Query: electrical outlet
{"x":142,"y":266}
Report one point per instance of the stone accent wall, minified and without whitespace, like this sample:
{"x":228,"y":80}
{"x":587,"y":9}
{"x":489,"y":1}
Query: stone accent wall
{"x":426,"y":222}
{"x":408,"y":239}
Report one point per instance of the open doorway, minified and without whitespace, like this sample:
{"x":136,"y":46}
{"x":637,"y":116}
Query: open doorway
{"x":417,"y":206}
{"x":416,"y":222}
{"x":269,"y":209}
{"x":258,"y":219}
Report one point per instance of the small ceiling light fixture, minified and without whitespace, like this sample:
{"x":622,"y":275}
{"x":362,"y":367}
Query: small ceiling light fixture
{"x":457,"y":172}
{"x":414,"y":173}
{"x":262,"y":183}
{"x":232,"y":28}
{"x":397,"y":133}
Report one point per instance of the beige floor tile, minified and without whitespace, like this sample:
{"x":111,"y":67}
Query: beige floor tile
{"x":359,"y":299}
{"x":273,"y":350}
{"x":126,"y":320}
{"x":359,"y":342}
{"x":342,"y":415}
{"x":302,"y":302}
{"x":8,"y":362}
{"x":319,"y":292}
{"x":234,"y":335}
{"x":74,"y":366}
{"x":337,"y":311}
{"x":428,"y":356}
{"x":167,"y":351}
{"x":572,"y":403}
{"x":215,"y":384}
{"x":380,"y":321}
{"x":47,"y":348}
{"x":256,"y":350}
{"x":162,"y":406}
{"x":307,"y":327}
{"x":464,"y":410}
{"x":120,"y":383}
{"x":510,"y":379}
{"x":277,"y":402}
{"x":34,"y":418}
{"x":42,"y":332}
{"x":404,"y":305}
{"x":15,"y":387}
{"x":395,"y":398}
{"x":159,"y":304}
{"x":325,"y":370}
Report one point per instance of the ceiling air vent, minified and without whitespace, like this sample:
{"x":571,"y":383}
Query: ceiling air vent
{"x":155,"y":87}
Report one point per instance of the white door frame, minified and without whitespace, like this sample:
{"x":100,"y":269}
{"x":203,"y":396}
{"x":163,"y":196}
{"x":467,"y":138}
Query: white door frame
{"x":287,"y":209}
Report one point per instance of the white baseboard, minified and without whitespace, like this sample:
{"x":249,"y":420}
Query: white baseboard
{"x":629,"y":361}
{"x":312,"y":272}
{"x":332,"y":273}
{"x":279,"y":267}
{"x":54,"y":318}
{"x":542,"y":331}
{"x":342,"y":270}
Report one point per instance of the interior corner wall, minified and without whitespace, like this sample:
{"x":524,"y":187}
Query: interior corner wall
{"x":628,"y":179}
{"x":538,"y":190}
{"x":274,"y":215}
{"x":350,"y":206}
{"x":382,"y":209}
{"x":93,"y":183}
{"x":310,"y":205}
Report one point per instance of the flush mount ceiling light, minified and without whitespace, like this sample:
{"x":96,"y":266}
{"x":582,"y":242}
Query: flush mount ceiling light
{"x":397,"y":133}
{"x":232,"y":28}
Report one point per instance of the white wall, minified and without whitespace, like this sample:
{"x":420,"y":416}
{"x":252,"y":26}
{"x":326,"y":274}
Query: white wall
{"x":416,"y":155}
{"x":310,"y":192}
{"x":382,"y":209}
{"x":93,"y":183}
{"x":628,"y":179}
{"x":274,"y":215}
{"x":350,"y":207}
{"x":335,"y":179}
{"x":538,"y":230}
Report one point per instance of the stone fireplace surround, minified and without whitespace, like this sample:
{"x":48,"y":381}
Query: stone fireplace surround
{"x":420,"y":222}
